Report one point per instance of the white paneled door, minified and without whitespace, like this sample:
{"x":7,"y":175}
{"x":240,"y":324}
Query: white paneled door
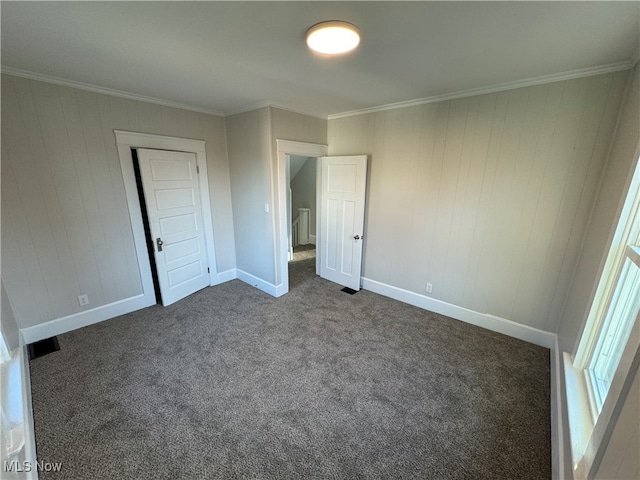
{"x":170,"y":183}
{"x":342,"y":199}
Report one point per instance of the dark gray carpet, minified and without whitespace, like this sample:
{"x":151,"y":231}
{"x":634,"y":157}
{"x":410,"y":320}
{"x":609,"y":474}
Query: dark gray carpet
{"x":231,"y":383}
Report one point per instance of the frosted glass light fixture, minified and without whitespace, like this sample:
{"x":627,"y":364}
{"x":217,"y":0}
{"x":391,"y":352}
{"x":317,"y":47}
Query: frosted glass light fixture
{"x":333,"y":37}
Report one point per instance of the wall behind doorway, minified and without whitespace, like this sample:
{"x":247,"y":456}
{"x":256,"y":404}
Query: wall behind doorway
{"x":303,"y":192}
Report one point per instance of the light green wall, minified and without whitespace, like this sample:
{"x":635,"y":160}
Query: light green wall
{"x":486,"y":197}
{"x":251,"y":139}
{"x":604,"y":219}
{"x":65,"y":223}
{"x":303,"y":192}
{"x":249,"y":143}
{"x":8,"y":324}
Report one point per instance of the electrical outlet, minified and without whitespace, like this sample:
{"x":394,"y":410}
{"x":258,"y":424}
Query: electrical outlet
{"x":429,"y":287}
{"x":83,"y":300}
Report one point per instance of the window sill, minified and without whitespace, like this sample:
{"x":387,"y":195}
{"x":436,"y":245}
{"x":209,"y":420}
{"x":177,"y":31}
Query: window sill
{"x":589,"y":438}
{"x":580,"y":421}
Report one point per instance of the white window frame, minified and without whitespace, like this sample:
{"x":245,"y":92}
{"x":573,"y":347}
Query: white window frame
{"x":627,"y":232}
{"x":614,"y":334}
{"x":590,"y":412}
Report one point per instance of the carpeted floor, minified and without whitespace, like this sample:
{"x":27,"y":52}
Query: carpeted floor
{"x":230,"y":383}
{"x":304,"y":252}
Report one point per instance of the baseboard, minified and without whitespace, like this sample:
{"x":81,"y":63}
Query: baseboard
{"x":104,"y":312}
{"x":312,"y":239}
{"x":85,"y":318}
{"x":281,"y":290}
{"x":490,"y":322}
{"x":226,"y":276}
{"x":266,"y":287}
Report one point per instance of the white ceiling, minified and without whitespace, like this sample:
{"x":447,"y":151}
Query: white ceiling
{"x":226,"y":57}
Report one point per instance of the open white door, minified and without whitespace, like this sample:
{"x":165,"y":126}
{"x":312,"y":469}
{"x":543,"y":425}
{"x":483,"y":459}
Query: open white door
{"x":170,"y":183}
{"x":342,"y":199}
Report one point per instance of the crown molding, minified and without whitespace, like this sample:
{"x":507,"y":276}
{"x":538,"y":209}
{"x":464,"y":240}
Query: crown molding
{"x":585,"y":72}
{"x":556,"y":77}
{"x":16,"y":72}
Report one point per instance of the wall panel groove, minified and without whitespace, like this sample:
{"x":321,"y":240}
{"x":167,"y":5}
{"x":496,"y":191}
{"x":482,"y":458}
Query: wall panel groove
{"x":65,"y":225}
{"x":485,"y":197}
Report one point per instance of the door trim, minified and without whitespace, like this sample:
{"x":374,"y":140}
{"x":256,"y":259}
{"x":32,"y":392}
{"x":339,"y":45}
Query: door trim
{"x":284,"y":148}
{"x":125,"y":141}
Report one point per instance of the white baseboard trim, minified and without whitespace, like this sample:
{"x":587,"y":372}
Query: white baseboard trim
{"x":281,"y":290}
{"x":258,"y":283}
{"x":226,"y":276}
{"x":104,"y":312}
{"x":85,"y":318}
{"x":312,"y":239}
{"x":484,"y":320}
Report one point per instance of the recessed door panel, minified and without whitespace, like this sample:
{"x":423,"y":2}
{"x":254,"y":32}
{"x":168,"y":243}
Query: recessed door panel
{"x":170,"y":170}
{"x":185,"y":273}
{"x":179,"y":250}
{"x":332,"y":232}
{"x":348,"y":230}
{"x":342,"y":178}
{"x":167,"y":198}
{"x":178,"y":223}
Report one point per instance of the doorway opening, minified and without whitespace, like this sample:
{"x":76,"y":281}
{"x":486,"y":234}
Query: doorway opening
{"x":145,"y":222}
{"x":287,"y":150}
{"x":340,"y":200}
{"x":301,"y":218}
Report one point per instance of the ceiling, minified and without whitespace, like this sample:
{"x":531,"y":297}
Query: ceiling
{"x":226,"y":57}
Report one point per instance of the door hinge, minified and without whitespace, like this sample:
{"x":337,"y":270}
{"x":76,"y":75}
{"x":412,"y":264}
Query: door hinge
{"x":208,"y":270}
{"x":197,"y":169}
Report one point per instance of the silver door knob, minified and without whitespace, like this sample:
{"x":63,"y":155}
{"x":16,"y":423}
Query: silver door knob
{"x":159,"y":243}
{"x":358,"y":237}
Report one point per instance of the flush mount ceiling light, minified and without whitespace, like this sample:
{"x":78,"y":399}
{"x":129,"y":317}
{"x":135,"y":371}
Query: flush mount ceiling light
{"x":333,"y":38}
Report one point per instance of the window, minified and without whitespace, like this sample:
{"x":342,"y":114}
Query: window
{"x":603,"y":361}
{"x":616,"y":303}
{"x":616,"y":327}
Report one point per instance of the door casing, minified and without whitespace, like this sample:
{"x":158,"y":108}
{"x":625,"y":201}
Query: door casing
{"x":125,"y":141}
{"x":280,"y":231}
